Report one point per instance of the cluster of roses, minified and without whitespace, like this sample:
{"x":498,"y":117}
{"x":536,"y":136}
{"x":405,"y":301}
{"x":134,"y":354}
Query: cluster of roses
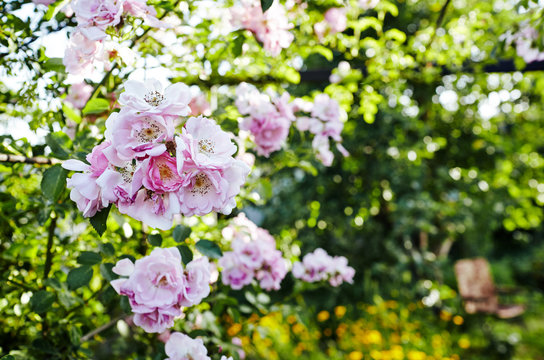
{"x":88,"y":44}
{"x":269,"y":118}
{"x":320,"y":266}
{"x":271,"y":28}
{"x":157,"y":286}
{"x":152,"y":173}
{"x":253,"y":256}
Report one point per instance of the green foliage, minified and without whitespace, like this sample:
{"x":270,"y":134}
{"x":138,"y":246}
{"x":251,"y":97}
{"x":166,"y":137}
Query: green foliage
{"x":435,"y":174}
{"x":209,"y":248}
{"x":53,"y":182}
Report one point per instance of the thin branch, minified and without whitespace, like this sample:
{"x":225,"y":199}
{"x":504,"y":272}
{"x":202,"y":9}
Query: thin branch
{"x":29,"y":160}
{"x":49,"y":254}
{"x":98,"y":330}
{"x":116,"y":64}
{"x":439,"y":21}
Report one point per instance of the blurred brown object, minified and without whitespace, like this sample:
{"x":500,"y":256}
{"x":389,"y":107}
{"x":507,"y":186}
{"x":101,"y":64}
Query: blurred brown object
{"x":478,"y":290}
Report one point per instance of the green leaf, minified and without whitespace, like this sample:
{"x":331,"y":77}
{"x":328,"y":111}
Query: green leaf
{"x":181,"y":233}
{"x":70,"y":113}
{"x":237,"y":45}
{"x":53,"y":182}
{"x":107,"y":249}
{"x":186,"y":254}
{"x":7,"y":357}
{"x":198,"y":332}
{"x":98,"y":221}
{"x":96,"y":106}
{"x":266,"y":4}
{"x":155,"y":239}
{"x":53,"y":9}
{"x":209,"y":248}
{"x":56,"y":148}
{"x":89,"y":258}
{"x":79,"y":277}
{"x":54,"y":64}
{"x":41,"y":301}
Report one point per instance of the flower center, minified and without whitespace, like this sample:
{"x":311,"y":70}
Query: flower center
{"x":165,"y":172}
{"x":149,"y":133}
{"x":201,"y":185}
{"x":206,"y":146}
{"x":154,"y":98}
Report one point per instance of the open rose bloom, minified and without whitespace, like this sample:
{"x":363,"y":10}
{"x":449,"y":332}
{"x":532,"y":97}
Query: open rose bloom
{"x":157,"y":286}
{"x":150,"y":171}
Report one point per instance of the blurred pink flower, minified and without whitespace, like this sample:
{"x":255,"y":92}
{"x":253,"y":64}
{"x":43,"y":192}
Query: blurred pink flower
{"x":336,"y":18}
{"x":181,"y":347}
{"x":78,"y":94}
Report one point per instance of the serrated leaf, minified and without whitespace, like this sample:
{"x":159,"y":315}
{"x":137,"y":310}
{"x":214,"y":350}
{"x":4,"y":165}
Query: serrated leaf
{"x":209,"y":248}
{"x":53,"y":182}
{"x":96,"y":106}
{"x":89,"y":258}
{"x":266,"y":4}
{"x":79,"y":277}
{"x":155,"y":239}
{"x":186,"y":254}
{"x":41,"y":301}
{"x":99,"y":220}
{"x":181,"y":233}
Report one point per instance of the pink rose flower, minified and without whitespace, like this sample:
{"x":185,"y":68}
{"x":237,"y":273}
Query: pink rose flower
{"x":234,"y":273}
{"x":200,"y":106}
{"x":206,"y":190}
{"x":85,"y":189}
{"x":79,"y":94}
{"x":253,"y":255}
{"x":139,"y":8}
{"x":205,"y":144}
{"x":157,"y":286}
{"x":94,"y":16}
{"x":81,"y":54}
{"x":197,"y":282}
{"x":269,"y":132}
{"x":159,"y":174}
{"x":136,"y":135}
{"x":271,"y":28}
{"x":155,"y":210}
{"x":336,"y":18}
{"x":181,"y":347}
{"x":320,"y":266}
{"x":158,"y":320}
{"x":149,"y":97}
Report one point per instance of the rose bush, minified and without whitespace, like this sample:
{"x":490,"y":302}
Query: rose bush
{"x":170,"y":189}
